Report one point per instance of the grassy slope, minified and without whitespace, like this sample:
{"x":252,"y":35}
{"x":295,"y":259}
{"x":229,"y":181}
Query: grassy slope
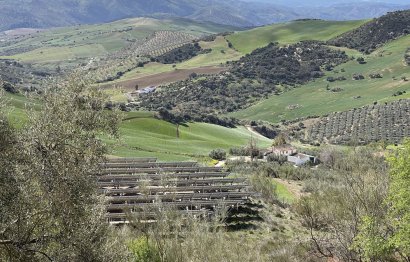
{"x":220,"y":54}
{"x":94,"y":40}
{"x":17,"y":111}
{"x":143,"y":135}
{"x":283,"y":193}
{"x":314,"y":99}
{"x":288,"y":33}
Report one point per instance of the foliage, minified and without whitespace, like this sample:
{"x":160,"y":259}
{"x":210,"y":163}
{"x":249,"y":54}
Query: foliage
{"x":50,"y":209}
{"x":377,"y":122}
{"x":399,"y":200}
{"x":178,"y":237}
{"x":143,"y":251}
{"x":263,"y":184}
{"x":267,"y":130}
{"x":218,"y":154}
{"x":385,"y":235}
{"x":182,"y":53}
{"x":334,"y":211}
{"x":314,"y":100}
{"x":407,"y":56}
{"x":251,"y":78}
{"x":375,"y":33}
{"x":280,"y":140}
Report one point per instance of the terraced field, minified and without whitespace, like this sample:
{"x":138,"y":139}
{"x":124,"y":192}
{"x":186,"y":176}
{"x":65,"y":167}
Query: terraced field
{"x":203,"y":63}
{"x":322,"y":97}
{"x":79,"y":42}
{"x":289,"y":33}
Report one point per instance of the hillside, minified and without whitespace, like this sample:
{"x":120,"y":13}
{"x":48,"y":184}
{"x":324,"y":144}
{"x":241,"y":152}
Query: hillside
{"x":389,"y":122}
{"x":375,"y":33}
{"x":290,"y":33}
{"x":45,"y":14}
{"x":112,"y":49}
{"x":142,"y":135}
{"x":245,"y":81}
{"x":322,"y":97}
{"x":154,"y":73}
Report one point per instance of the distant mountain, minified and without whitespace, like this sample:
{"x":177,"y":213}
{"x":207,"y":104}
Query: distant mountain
{"x":46,"y":13}
{"x":325,"y":3}
{"x":351,"y":11}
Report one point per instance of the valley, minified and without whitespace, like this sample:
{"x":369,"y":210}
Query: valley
{"x":198,"y":131}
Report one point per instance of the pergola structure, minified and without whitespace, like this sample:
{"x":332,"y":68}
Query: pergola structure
{"x":134,"y":186}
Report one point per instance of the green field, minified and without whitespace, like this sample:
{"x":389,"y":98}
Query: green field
{"x":17,"y":108}
{"x":220,"y":54}
{"x":314,"y":99}
{"x":142,"y":135}
{"x":85,"y":41}
{"x":289,"y":33}
{"x":283,"y":193}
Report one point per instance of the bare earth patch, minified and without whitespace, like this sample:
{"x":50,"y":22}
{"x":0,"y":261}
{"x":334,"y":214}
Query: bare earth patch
{"x":165,"y":78}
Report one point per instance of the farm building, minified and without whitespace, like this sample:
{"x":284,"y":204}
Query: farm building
{"x":143,"y":91}
{"x":291,"y":154}
{"x":300,"y":159}
{"x":285,"y":150}
{"x":147,"y":90}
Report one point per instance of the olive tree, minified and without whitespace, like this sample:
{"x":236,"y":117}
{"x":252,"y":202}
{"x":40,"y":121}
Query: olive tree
{"x":50,"y":208}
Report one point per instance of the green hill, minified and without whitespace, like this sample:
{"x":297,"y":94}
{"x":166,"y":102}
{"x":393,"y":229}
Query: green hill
{"x":142,"y":135}
{"x":79,"y":42}
{"x":314,"y":98}
{"x":289,"y":33}
{"x":376,"y":32}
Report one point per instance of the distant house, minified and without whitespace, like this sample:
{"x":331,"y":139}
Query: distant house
{"x":292,"y":155}
{"x":285,"y":150}
{"x":300,"y":159}
{"x":147,"y":90}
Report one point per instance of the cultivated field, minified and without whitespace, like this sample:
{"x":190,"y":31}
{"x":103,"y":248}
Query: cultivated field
{"x":86,"y":41}
{"x":388,"y":122}
{"x":164,"y":78}
{"x":156,"y":73}
{"x":317,"y":98}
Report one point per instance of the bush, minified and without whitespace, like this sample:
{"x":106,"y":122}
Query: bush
{"x":9,"y":88}
{"x":218,"y":154}
{"x":277,"y":158}
{"x":143,"y":251}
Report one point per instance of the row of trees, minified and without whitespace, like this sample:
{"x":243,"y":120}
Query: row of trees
{"x":389,"y":122}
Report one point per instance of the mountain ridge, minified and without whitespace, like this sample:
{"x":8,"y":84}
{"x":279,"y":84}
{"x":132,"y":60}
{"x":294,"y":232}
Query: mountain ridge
{"x":45,"y":14}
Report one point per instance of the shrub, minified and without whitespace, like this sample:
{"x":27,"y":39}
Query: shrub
{"x":218,"y":154}
{"x":277,"y":158}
